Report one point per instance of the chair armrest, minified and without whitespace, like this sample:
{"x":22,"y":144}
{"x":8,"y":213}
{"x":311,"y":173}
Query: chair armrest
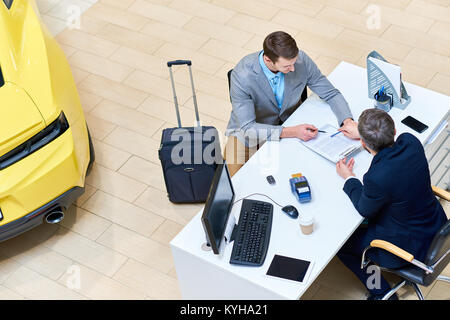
{"x":385,"y":245}
{"x":392,"y":249}
{"x":441,"y":193}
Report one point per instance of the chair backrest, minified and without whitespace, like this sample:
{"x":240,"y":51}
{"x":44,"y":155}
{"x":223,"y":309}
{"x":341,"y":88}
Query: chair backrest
{"x":229,"y":81}
{"x":304,"y":95}
{"x":438,"y":248}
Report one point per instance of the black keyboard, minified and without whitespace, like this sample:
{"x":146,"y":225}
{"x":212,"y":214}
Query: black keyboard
{"x":252,"y":237}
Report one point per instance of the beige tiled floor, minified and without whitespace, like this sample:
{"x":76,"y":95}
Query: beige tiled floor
{"x":114,"y":244}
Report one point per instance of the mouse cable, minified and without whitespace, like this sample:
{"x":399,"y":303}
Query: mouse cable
{"x":261,"y":194}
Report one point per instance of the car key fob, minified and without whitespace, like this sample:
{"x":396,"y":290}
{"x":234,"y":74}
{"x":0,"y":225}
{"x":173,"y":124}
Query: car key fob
{"x":270,"y":179}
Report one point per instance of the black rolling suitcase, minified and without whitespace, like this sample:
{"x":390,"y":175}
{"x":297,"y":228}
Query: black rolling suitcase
{"x":189,"y":155}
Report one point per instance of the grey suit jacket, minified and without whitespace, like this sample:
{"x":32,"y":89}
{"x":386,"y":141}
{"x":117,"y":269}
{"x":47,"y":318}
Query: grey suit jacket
{"x":255,"y":113}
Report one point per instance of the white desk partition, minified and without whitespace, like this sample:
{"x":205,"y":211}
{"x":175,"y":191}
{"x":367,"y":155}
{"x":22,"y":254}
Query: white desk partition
{"x":203,"y":275}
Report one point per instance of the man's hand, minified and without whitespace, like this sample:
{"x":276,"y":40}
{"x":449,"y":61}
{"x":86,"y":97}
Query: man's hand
{"x":344,"y":169}
{"x":350,"y":129}
{"x":304,"y":132}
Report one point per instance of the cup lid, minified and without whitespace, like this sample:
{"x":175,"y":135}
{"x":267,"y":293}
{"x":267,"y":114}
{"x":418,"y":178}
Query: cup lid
{"x":306,"y":219}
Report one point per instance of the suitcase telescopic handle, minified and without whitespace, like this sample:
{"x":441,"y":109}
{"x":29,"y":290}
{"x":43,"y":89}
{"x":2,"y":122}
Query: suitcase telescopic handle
{"x":194,"y":97}
{"x":179,"y":63}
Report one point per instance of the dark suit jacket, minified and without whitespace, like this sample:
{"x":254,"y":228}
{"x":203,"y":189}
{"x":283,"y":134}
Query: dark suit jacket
{"x":398,"y":201}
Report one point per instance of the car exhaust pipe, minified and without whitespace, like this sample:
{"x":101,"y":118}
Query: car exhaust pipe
{"x":56,"y":216}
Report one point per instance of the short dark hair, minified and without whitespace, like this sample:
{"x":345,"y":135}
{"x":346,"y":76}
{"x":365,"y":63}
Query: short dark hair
{"x":376,"y":129}
{"x":280,"y":44}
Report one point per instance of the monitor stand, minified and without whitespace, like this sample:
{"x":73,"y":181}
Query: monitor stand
{"x":229,"y":234}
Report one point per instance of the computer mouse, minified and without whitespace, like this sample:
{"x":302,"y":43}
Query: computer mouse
{"x":291,"y":211}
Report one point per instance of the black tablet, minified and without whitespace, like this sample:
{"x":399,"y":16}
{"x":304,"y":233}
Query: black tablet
{"x":289,"y":268}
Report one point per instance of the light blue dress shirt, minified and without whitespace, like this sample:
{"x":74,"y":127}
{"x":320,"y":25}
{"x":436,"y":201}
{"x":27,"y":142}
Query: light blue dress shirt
{"x":276,"y":81}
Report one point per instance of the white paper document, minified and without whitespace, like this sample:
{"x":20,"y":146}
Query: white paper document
{"x":391,"y":71}
{"x":332,"y":147}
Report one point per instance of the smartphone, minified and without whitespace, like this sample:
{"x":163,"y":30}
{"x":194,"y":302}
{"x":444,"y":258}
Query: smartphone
{"x":414,"y":124}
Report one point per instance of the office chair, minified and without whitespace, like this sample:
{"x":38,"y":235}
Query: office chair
{"x":229,"y":82}
{"x":417,"y":272}
{"x":303,"y":97}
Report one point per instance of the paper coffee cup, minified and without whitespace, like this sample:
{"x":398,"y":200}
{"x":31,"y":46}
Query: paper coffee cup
{"x":306,"y":223}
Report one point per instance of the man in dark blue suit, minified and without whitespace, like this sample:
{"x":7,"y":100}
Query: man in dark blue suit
{"x":395,"y":197}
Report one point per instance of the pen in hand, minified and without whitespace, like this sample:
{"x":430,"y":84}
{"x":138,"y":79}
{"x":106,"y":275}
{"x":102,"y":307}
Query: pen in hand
{"x":317,"y":130}
{"x":335,"y":134}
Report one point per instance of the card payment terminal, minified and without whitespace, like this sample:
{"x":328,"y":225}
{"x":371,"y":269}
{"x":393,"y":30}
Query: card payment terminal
{"x":300,"y":188}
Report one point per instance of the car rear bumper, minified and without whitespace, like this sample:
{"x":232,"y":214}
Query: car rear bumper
{"x":36,"y":217}
{"x":40,"y":182}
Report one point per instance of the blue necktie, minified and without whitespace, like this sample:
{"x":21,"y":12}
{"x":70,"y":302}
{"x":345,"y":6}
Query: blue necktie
{"x":275,"y":80}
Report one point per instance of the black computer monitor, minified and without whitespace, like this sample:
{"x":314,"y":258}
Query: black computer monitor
{"x":218,"y":207}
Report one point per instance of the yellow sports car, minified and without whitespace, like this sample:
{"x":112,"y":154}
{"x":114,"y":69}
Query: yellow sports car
{"x":45,"y":148}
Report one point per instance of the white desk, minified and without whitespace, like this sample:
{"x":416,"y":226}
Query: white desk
{"x":203,"y":275}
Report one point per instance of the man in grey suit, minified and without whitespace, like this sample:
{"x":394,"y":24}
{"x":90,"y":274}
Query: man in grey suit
{"x":266,"y":89}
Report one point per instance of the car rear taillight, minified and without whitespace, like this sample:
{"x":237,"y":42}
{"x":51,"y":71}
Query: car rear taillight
{"x":39,"y":140}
